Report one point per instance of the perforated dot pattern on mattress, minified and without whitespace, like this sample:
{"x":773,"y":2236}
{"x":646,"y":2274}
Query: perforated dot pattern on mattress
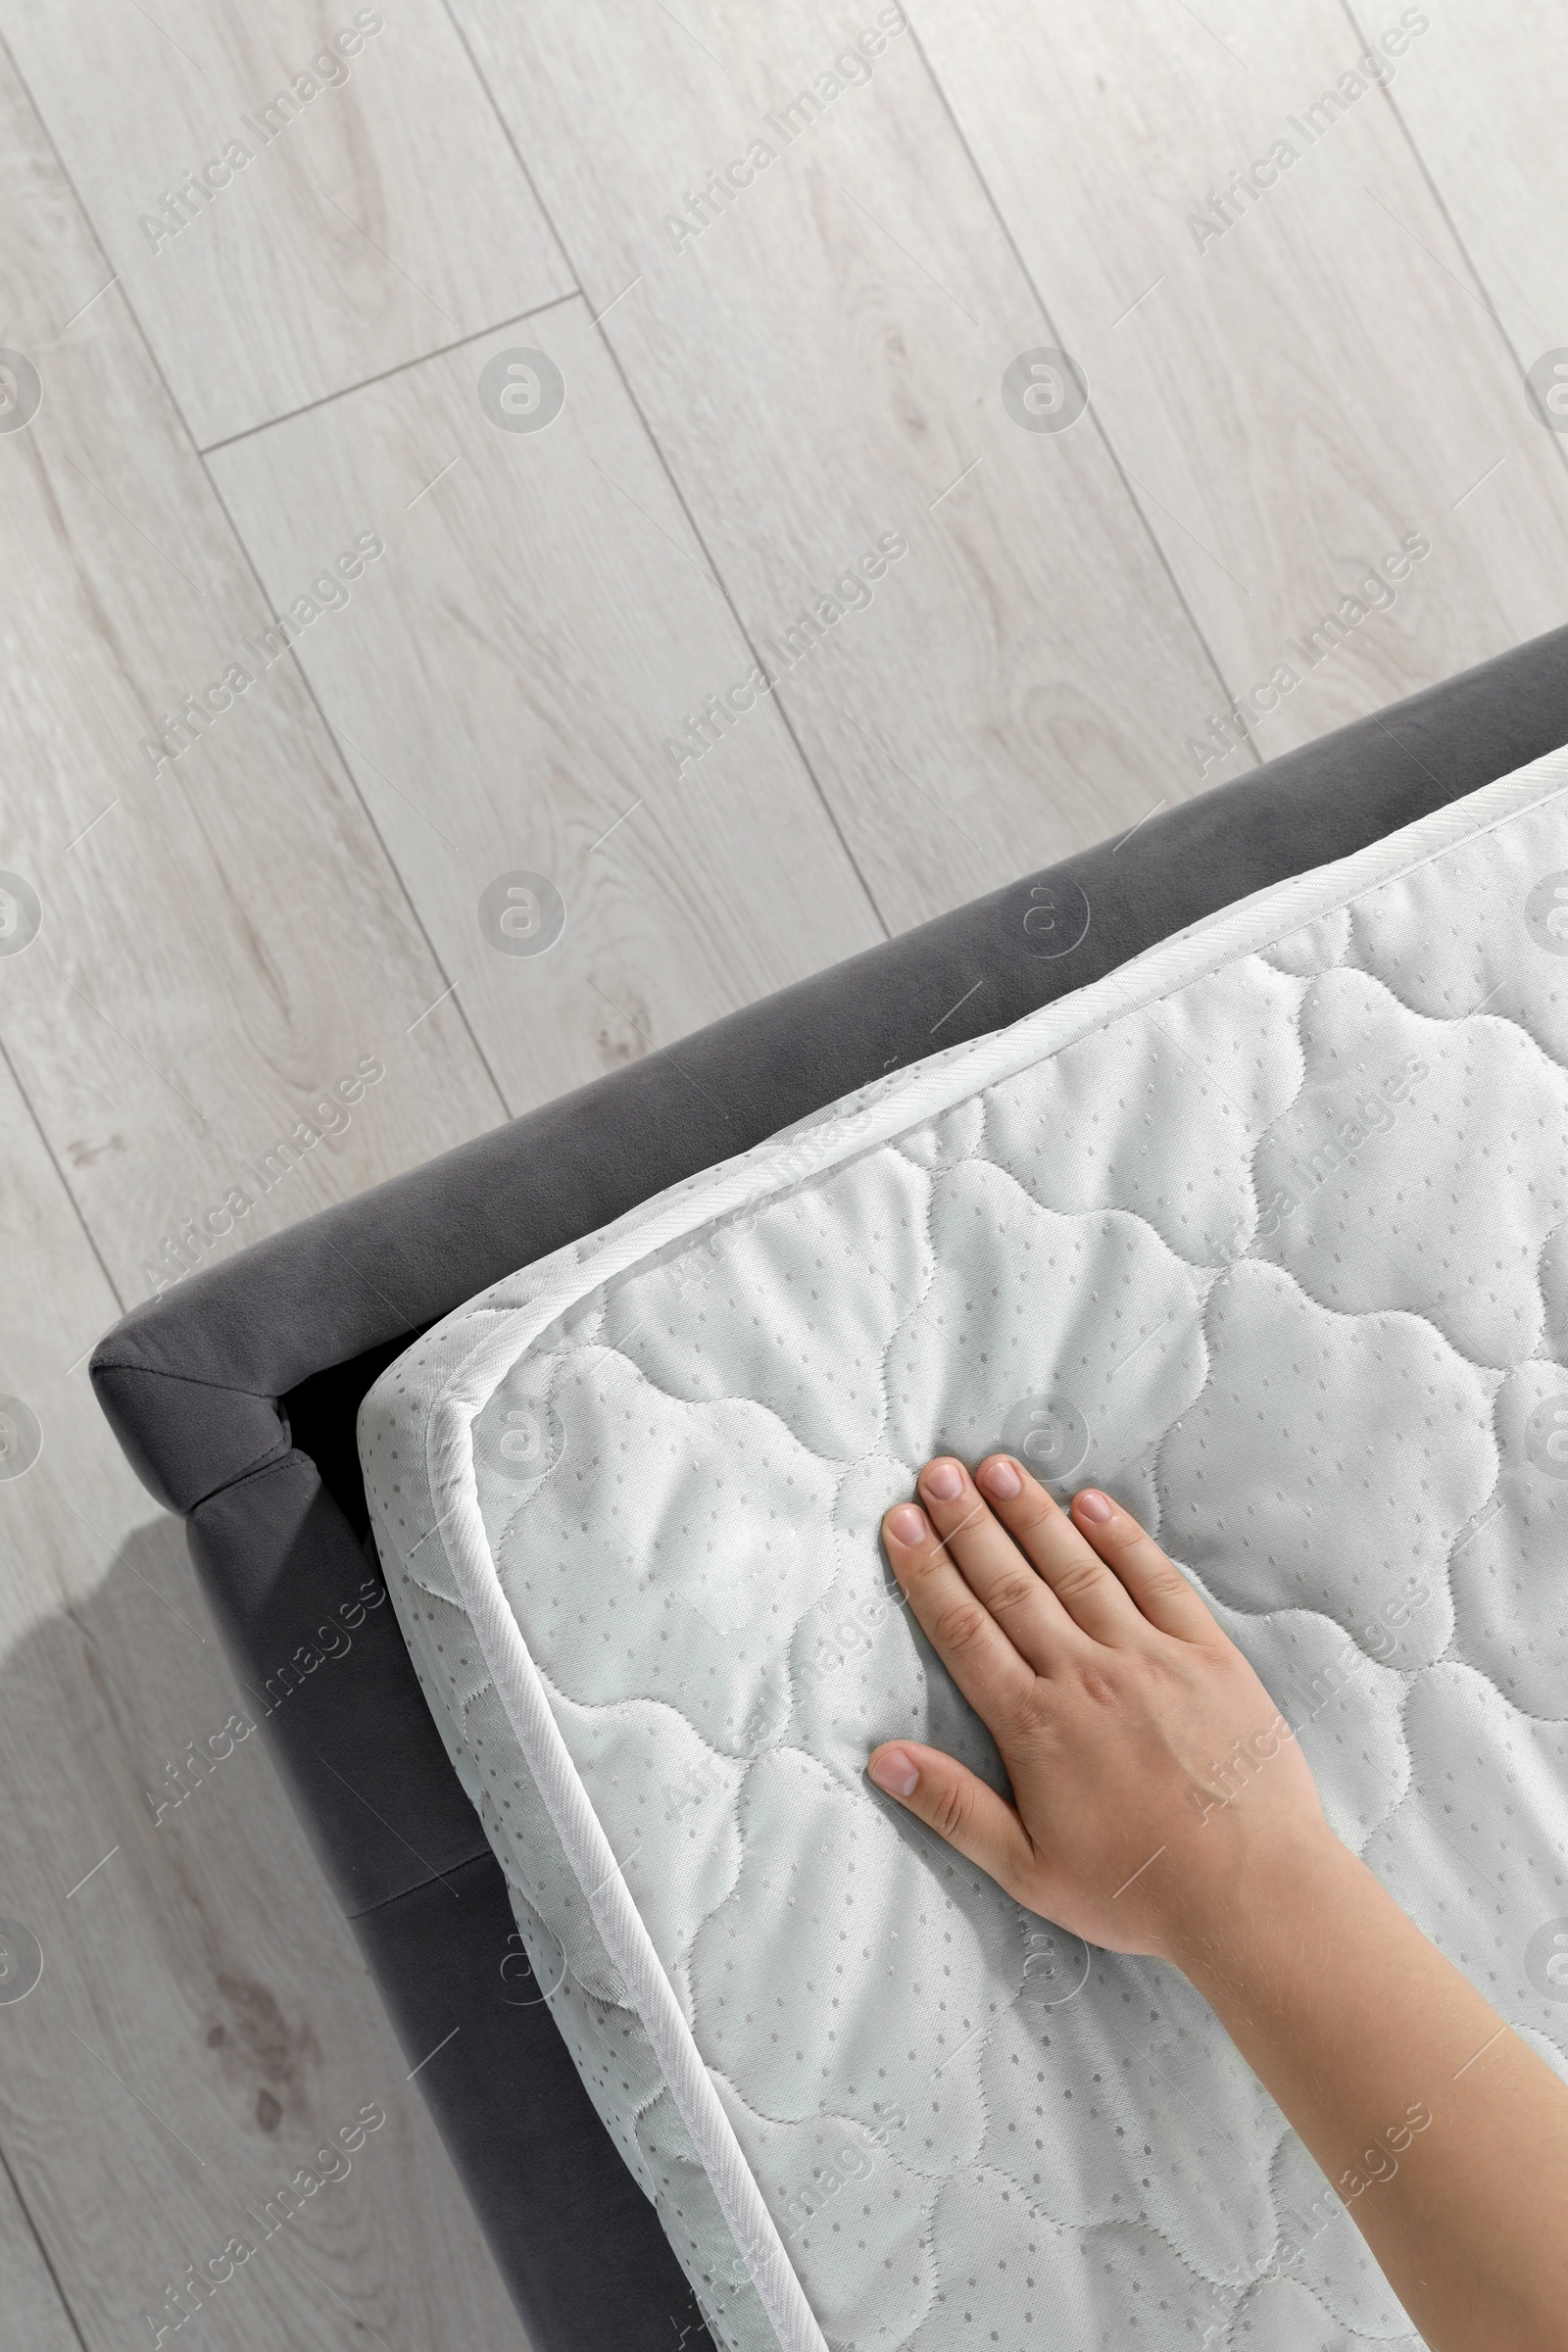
{"x":1268,"y":1232}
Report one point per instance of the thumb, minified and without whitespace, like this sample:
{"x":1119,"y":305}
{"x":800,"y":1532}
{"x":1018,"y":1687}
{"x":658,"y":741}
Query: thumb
{"x":958,"y":1804}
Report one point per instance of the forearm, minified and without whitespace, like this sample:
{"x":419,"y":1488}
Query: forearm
{"x":1110,"y":1689}
{"x":1443,"y":2133}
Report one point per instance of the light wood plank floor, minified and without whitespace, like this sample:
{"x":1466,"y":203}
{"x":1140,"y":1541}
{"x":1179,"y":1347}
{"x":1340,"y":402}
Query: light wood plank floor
{"x":760,"y":377}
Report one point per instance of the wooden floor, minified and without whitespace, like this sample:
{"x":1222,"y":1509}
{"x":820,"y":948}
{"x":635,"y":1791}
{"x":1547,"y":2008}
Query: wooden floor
{"x":305,"y":356}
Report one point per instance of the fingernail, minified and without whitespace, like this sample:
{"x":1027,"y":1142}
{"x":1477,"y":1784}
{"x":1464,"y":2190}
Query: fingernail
{"x":896,"y":1772}
{"x":944,"y":1479}
{"x":1091,"y":1505}
{"x":1001,"y":1479}
{"x":907,"y":1525}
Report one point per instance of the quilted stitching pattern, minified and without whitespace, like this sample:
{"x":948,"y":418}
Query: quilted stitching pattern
{"x":1283,"y":1256}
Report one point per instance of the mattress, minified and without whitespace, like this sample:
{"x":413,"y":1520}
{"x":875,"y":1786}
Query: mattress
{"x":1267,"y":1231}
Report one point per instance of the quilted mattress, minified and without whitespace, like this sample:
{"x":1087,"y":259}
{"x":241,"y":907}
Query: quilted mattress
{"x":1267,"y":1232}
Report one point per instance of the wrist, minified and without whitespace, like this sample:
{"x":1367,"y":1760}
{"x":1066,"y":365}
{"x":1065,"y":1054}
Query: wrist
{"x":1280,"y":1896}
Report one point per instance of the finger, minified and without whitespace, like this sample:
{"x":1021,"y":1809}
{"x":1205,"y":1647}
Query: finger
{"x":962,"y":1630}
{"x":952,"y":1800}
{"x":1078,"y":1577}
{"x":992,"y":1564}
{"x":1156,"y":1584}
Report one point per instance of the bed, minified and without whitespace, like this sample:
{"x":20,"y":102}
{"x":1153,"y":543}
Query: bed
{"x":236,"y":1394}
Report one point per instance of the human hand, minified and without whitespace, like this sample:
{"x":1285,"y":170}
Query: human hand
{"x":1151,"y":1770}
{"x":1161,"y":1805}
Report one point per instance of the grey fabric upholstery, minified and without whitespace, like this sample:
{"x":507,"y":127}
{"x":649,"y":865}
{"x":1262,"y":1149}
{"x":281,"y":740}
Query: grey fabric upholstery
{"x":234,"y":1396}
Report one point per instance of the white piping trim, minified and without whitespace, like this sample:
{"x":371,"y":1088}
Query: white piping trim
{"x":1246,"y":928}
{"x":450,"y":1462}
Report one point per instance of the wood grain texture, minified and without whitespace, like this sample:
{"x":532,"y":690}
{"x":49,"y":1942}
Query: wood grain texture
{"x":1292,"y":393}
{"x":762,"y":379}
{"x":203,"y":2022}
{"x":219,"y":944}
{"x":379,"y":218}
{"x":222,"y":941}
{"x":1486,"y":115}
{"x":820,"y":365}
{"x":543,"y":620}
{"x":36,"y":2315}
